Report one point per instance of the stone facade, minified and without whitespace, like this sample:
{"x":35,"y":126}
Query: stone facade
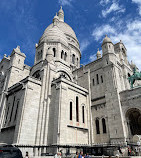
{"x":58,"y":105}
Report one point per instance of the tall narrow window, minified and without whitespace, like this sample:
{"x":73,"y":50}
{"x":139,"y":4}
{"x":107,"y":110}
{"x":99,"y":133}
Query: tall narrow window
{"x":77,"y":61}
{"x":77,"y":109}
{"x":83,"y":115}
{"x":70,"y":110}
{"x":104,"y":125}
{"x":62,"y":54}
{"x":97,"y":78}
{"x":65,"y":57}
{"x":101,"y":79}
{"x":73,"y":59}
{"x":19,"y":61}
{"x":97,"y":126}
{"x":93,"y":82}
{"x":16,"y":110}
{"x":7,"y":113}
{"x":12,"y":109}
{"x":54,"y":52}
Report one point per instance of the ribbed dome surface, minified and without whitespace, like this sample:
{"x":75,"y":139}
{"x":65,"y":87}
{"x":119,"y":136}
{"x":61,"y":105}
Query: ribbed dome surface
{"x":65,"y":28}
{"x":53,"y":34}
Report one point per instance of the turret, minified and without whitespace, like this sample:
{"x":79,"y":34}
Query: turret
{"x":17,"y":58}
{"x":107,"y":46}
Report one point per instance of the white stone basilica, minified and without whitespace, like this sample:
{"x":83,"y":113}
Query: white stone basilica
{"x":58,"y":105}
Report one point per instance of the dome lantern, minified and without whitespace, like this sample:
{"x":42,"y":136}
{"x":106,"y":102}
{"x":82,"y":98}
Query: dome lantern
{"x":61,"y":14}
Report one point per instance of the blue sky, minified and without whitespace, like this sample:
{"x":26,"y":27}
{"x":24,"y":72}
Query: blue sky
{"x":22,"y":22}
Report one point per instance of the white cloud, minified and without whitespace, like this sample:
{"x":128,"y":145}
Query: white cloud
{"x":102,"y":30}
{"x":65,"y":2}
{"x":84,"y":44}
{"x":103,"y":2}
{"x":138,"y":2}
{"x":130,"y":36}
{"x":92,"y":57}
{"x":113,"y":8}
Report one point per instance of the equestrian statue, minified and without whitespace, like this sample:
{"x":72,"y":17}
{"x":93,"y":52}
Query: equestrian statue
{"x":136,"y":76}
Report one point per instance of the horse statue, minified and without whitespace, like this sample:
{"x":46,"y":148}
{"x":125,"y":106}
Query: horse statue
{"x":136,"y":76}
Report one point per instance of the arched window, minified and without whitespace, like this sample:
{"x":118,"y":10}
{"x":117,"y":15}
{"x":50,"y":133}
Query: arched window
{"x":97,"y":78}
{"x":70,"y":110}
{"x":104,"y":125}
{"x":77,"y":109}
{"x":54,"y":52}
{"x":97,"y":126}
{"x":73,"y":59}
{"x":83,"y":115}
{"x":17,"y":105}
{"x":65,"y":57}
{"x":62,"y":54}
{"x":101,"y":79}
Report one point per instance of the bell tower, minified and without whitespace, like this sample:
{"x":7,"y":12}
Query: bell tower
{"x":112,"y":82}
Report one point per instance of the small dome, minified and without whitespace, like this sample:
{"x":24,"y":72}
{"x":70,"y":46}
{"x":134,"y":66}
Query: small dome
{"x":106,"y":40}
{"x":98,"y":54}
{"x":56,"y":17}
{"x":54,"y":34}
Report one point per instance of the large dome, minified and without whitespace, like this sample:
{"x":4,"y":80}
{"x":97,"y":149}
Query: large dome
{"x":65,"y":28}
{"x":63,"y":32}
{"x":53,"y":34}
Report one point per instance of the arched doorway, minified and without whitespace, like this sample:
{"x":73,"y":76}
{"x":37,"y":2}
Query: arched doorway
{"x":134,"y":121}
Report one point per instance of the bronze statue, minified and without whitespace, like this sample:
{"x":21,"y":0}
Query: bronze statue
{"x":136,"y":76}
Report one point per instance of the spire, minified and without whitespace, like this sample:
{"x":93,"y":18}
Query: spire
{"x":98,"y":54}
{"x":61,"y":14}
